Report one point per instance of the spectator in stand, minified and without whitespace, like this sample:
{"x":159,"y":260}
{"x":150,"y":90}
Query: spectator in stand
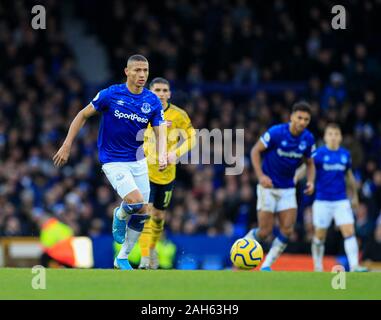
{"x":335,"y":93}
{"x":372,"y":249}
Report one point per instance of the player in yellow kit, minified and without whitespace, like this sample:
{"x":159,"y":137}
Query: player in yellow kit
{"x":181,"y":137}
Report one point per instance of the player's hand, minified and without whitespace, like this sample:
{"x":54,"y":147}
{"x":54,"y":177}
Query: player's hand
{"x":310,"y":188}
{"x":266,"y":182}
{"x":163,"y":163}
{"x":172,"y":157}
{"x":62,"y":155}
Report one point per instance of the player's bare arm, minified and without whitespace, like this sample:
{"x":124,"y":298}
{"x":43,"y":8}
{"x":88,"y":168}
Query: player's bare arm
{"x":311,"y":173}
{"x":256,"y":151}
{"x":186,"y":145}
{"x":352,"y":188}
{"x":62,"y":155}
{"x":161,"y":145}
{"x":300,"y":173}
{"x":172,"y":157}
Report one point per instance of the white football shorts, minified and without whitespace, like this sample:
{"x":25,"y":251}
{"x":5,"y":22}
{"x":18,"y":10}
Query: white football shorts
{"x":275,"y":200}
{"x":324,"y":211}
{"x":126,"y":177}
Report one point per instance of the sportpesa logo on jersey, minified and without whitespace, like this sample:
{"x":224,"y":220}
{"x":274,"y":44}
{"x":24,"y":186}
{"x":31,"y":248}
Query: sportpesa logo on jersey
{"x":288,"y":154}
{"x":130,"y":116}
{"x":334,"y":167}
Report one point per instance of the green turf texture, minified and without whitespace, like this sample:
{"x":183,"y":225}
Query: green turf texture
{"x":181,"y":285}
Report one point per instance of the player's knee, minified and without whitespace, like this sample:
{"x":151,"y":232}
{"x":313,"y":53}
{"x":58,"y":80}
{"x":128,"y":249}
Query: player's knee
{"x":348,"y":232}
{"x":287,"y":231}
{"x":144,"y":209}
{"x":320,"y":234}
{"x":157,"y":215}
{"x":134,"y":197}
{"x":134,"y":203}
{"x":348,"y":235}
{"x":320,"y":237}
{"x":264,"y":232}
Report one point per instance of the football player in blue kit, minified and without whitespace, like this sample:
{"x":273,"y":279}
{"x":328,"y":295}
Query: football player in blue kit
{"x":275,"y":158}
{"x":126,"y":110}
{"x":334,"y":175}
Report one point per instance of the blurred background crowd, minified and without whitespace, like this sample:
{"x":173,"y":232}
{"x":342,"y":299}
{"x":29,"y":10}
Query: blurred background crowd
{"x":231,"y":64}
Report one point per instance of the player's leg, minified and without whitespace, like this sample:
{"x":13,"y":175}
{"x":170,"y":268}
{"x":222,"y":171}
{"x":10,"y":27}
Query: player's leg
{"x":350,"y":245}
{"x":145,"y":237}
{"x":345,"y":221}
{"x":265,"y":226}
{"x":144,"y":241}
{"x":287,"y":220}
{"x":157,"y":227}
{"x":317,"y":248}
{"x":159,"y":206}
{"x":152,"y":231}
{"x":129,"y":217}
{"x":265,"y":215}
{"x":322,"y":218}
{"x":160,"y":198}
{"x":286,"y":206}
{"x":121,"y":179}
{"x":135,"y":206}
{"x":138,"y":201}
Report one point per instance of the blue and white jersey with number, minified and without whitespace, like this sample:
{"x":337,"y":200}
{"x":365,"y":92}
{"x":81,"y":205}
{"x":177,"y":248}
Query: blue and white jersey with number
{"x":125,"y":115}
{"x":284,"y":154}
{"x":331,"y":168}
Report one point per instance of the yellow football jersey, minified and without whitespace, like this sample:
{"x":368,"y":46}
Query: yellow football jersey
{"x":178,"y":125}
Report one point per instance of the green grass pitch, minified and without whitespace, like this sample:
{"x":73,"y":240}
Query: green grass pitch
{"x":182,"y":285}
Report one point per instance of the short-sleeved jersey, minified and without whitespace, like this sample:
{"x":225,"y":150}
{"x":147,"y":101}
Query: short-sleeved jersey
{"x":178,"y":126}
{"x":331,"y":168}
{"x":284,"y":154}
{"x":125,"y":116}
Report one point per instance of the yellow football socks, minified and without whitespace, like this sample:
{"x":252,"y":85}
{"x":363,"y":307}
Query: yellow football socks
{"x":145,"y":238}
{"x":156,"y":229}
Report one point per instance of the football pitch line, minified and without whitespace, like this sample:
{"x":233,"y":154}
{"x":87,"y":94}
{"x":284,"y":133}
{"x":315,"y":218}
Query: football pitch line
{"x":65,"y":284}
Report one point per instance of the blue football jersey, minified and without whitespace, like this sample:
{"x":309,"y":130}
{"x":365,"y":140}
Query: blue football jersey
{"x":125,"y":116}
{"x":284,"y":153}
{"x":331,"y":168}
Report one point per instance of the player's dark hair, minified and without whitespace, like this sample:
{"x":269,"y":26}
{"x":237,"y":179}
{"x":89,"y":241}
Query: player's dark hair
{"x":159,"y":80}
{"x":301,"y":106}
{"x":332,"y":125}
{"x":137,"y":58}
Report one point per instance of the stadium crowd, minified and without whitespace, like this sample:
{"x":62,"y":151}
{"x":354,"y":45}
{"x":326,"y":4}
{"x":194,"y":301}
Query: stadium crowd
{"x":192,"y":44}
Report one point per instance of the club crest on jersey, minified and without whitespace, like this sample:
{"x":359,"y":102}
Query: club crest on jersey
{"x":326,"y":158}
{"x":303,"y":145}
{"x":284,"y":143}
{"x":344,"y":159}
{"x":146,"y":107}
